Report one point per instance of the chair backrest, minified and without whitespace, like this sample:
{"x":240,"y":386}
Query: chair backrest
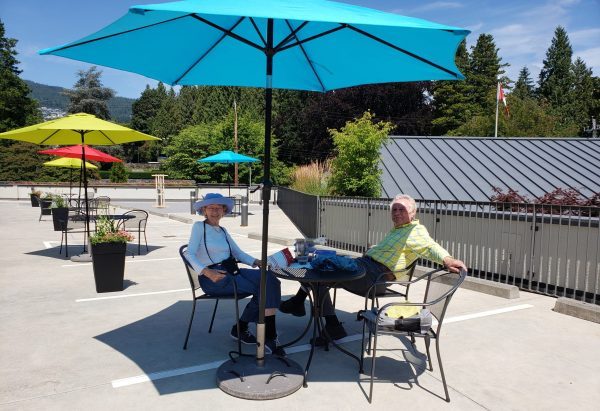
{"x":441,"y":286}
{"x":191,"y":273}
{"x":103,"y":202}
{"x":137,"y":223}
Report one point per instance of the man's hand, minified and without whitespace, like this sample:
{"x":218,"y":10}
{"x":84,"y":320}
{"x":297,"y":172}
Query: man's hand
{"x":257,"y":263}
{"x":454,"y":265}
{"x":213,"y":275}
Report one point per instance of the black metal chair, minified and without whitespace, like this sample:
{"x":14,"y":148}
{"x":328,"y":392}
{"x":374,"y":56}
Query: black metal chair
{"x":392,"y":288}
{"x":137,"y":224}
{"x":102,"y":204}
{"x":73,"y":224}
{"x":439,"y":289}
{"x":196,"y":290}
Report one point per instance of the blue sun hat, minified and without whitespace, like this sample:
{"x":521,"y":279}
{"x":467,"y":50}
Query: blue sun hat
{"x":214,"y":198}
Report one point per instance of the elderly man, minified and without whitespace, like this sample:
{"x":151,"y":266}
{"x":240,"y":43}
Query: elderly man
{"x":405,"y":243}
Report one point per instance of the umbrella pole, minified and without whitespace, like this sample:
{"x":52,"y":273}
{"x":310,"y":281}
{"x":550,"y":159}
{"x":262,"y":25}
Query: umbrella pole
{"x":87,"y":211}
{"x":257,"y":382}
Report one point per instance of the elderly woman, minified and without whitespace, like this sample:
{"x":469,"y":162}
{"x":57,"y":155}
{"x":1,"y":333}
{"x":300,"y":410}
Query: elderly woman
{"x":209,"y":248}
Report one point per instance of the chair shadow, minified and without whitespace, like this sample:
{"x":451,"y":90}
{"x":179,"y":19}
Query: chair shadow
{"x":154,"y":344}
{"x":403,"y":373}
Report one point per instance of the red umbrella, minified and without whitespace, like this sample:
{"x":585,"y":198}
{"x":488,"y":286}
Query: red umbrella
{"x":77,"y":152}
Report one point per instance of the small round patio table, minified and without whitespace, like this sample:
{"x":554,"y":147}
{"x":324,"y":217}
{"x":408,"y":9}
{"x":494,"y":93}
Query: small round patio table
{"x":316,"y":282}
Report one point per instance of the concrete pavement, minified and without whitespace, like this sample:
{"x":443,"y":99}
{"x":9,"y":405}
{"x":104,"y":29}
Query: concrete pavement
{"x":62,"y":346}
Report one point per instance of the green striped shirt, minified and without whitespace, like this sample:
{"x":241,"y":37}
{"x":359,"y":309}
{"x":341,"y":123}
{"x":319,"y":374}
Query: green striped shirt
{"x":403,"y":245}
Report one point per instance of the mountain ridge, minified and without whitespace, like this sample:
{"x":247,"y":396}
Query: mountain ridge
{"x":51,"y":98}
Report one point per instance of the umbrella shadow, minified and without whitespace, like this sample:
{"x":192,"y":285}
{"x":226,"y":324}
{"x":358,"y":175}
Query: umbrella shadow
{"x":53,"y":252}
{"x":154,"y":343}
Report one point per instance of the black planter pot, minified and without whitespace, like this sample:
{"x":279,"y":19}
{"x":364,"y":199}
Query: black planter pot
{"x":59,"y":218}
{"x":45,"y":204}
{"x":35,"y":200}
{"x":108,"y":260}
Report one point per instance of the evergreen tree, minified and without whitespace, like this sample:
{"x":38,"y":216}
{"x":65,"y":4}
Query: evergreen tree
{"x":524,"y":87}
{"x":88,"y":94}
{"x":556,"y":80}
{"x":485,"y":70}
{"x":17,"y":109}
{"x":451,"y":99}
{"x":118,"y":173}
{"x":166,"y":123}
{"x":582,"y":103}
{"x":144,"y":109}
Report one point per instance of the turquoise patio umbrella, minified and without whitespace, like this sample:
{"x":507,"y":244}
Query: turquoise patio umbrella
{"x":229,"y":157}
{"x":313,"y":45}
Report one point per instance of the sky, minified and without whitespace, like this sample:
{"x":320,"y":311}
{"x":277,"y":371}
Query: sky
{"x":522,"y":30}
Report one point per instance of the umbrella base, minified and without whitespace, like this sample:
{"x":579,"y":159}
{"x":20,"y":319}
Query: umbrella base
{"x":82,"y":258}
{"x":244,"y":378}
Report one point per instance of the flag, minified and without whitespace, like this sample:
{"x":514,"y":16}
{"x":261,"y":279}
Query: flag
{"x":502,"y":97}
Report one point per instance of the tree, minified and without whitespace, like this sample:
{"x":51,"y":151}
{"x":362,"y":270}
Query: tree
{"x":556,"y":79}
{"x":524,"y":87}
{"x":144,"y":109}
{"x":451,"y":99}
{"x":118,"y":173}
{"x":17,"y":109}
{"x":355,"y":169}
{"x":485,"y":70}
{"x":582,"y":103}
{"x":203,"y":140}
{"x":88,"y":94}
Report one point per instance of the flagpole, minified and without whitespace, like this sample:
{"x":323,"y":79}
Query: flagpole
{"x":497,"y":94}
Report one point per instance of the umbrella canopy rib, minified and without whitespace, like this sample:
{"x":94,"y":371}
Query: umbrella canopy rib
{"x":68,"y":46}
{"x":408,"y":53}
{"x":107,"y":137}
{"x":226,"y":33}
{"x":303,"y":50}
{"x":229,"y":33}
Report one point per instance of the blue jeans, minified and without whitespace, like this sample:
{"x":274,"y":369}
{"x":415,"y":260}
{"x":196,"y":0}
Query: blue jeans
{"x":247,"y":281}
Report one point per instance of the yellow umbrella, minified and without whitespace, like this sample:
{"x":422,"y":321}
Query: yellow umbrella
{"x":70,"y":163}
{"x":80,"y":128}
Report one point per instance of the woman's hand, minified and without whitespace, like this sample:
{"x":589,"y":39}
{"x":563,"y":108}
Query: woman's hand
{"x":256,"y":263}
{"x":213,"y":275}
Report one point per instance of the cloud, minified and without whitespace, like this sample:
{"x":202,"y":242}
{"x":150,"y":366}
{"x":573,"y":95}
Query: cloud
{"x":585,"y":38}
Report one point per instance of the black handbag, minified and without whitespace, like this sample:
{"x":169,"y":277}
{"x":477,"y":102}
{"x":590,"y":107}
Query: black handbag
{"x":230,"y":265}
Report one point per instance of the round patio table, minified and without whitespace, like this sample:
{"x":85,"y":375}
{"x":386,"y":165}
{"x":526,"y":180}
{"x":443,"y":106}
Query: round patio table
{"x":316,"y":282}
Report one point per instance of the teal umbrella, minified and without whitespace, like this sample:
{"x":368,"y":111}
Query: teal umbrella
{"x":229,"y":157}
{"x":314,"y":45}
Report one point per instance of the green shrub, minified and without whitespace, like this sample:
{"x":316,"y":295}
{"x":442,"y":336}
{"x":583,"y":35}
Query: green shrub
{"x":118,"y":173}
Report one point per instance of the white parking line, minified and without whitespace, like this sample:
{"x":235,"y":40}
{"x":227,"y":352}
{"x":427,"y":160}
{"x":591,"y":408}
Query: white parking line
{"x":112,"y":297}
{"x":124,"y":382}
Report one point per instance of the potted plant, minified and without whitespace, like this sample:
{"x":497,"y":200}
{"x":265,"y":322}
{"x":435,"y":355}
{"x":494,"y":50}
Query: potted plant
{"x":109,"y":246}
{"x":60,"y":212}
{"x":35,"y":197}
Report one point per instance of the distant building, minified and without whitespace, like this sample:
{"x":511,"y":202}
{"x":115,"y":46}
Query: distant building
{"x":466,"y":168}
{"x":50,"y":113}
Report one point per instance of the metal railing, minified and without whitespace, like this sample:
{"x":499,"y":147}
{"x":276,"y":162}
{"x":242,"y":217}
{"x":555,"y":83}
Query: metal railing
{"x":547,"y":249}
